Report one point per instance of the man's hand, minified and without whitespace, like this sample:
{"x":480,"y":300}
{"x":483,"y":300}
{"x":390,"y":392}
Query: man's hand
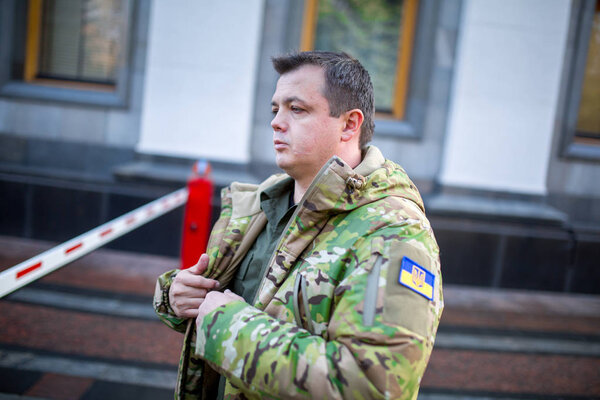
{"x":189,"y":289}
{"x":215,"y":299}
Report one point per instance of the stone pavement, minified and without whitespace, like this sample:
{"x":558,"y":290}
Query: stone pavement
{"x":87,"y":331}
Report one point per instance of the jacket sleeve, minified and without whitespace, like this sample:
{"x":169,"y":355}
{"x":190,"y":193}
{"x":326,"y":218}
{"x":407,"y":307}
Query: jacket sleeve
{"x":215,"y":248}
{"x":161,"y":302}
{"x":376,"y":345}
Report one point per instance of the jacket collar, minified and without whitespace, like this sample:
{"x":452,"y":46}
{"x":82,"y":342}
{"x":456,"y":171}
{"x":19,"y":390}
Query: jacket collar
{"x":245,"y":197}
{"x":336,"y":186}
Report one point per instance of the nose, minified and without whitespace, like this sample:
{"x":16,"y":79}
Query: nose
{"x":278,"y":124}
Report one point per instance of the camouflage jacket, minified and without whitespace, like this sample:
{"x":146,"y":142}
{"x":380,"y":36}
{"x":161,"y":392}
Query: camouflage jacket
{"x":331,"y":318}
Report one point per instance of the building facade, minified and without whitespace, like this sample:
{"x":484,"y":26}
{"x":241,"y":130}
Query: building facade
{"x":492,"y":107}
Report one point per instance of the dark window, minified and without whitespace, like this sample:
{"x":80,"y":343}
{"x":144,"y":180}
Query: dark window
{"x":78,"y":45}
{"x":588,"y":118}
{"x":581,"y":122}
{"x":79,"y":40}
{"x":380,"y":33}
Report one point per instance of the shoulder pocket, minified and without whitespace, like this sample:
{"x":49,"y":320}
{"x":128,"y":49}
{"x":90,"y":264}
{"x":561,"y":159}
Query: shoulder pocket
{"x":372,"y":291}
{"x":404,"y":305}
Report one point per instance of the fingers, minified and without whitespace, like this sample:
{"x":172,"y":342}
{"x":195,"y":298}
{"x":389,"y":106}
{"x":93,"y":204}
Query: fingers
{"x":186,"y":293}
{"x":189,"y":309}
{"x":212,"y":301}
{"x":185,"y":300}
{"x":215,"y":299}
{"x":192,"y":276}
{"x":201,"y":265}
{"x":189,"y":279}
{"x":188,"y":313}
{"x":232,"y":295}
{"x":189,"y":288}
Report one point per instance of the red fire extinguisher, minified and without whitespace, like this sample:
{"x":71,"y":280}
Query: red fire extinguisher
{"x":196,"y":223}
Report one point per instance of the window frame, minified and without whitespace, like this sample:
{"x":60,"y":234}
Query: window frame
{"x":413,"y":68}
{"x":58,"y":90}
{"x":582,"y":18}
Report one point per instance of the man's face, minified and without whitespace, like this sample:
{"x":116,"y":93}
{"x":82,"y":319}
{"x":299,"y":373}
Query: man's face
{"x":305,"y":136}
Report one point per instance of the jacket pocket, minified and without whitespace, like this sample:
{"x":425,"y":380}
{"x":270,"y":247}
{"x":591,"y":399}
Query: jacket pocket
{"x":312,"y":299}
{"x":300,"y":299}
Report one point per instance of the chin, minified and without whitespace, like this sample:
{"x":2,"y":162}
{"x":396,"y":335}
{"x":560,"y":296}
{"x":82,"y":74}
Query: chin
{"x":281,"y":161}
{"x":285,"y":165}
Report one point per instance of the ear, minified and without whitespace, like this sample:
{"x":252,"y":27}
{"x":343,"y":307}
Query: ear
{"x":353,"y":120}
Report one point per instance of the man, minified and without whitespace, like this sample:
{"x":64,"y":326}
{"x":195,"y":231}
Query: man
{"x":335,"y":261}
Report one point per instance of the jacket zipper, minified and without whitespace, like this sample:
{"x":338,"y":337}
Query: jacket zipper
{"x":292,"y":218}
{"x":370,"y":304}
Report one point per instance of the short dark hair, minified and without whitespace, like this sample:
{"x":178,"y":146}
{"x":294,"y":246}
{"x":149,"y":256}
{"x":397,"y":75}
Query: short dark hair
{"x":347,"y":84}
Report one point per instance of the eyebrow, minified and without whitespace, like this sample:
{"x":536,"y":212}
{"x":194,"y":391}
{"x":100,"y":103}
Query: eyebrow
{"x":289,"y":100}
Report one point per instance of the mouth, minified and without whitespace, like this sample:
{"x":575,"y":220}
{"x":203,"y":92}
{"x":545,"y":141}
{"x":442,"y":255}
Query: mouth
{"x":279,"y":145}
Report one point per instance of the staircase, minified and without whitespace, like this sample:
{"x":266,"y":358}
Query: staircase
{"x":88,"y":331}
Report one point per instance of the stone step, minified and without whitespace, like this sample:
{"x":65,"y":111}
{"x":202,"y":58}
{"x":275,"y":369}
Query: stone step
{"x":448,"y":338}
{"x":90,"y":327}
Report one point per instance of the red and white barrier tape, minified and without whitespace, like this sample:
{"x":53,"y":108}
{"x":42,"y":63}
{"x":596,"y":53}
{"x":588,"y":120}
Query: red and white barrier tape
{"x":50,"y":260}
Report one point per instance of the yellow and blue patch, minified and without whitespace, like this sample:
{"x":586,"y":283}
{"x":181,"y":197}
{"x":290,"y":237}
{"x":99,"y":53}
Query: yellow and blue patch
{"x":416,"y":278}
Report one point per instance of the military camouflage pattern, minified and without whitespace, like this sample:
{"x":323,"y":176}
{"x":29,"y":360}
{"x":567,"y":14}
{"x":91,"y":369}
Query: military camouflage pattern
{"x":330,"y":319}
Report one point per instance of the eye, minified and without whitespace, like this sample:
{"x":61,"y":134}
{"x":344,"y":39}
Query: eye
{"x":274,"y":111}
{"x":296,"y":109}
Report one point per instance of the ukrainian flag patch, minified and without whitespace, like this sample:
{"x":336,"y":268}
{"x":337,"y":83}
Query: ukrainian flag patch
{"x":416,"y":278}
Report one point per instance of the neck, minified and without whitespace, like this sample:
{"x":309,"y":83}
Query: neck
{"x":299,"y":189}
{"x":353,"y":158}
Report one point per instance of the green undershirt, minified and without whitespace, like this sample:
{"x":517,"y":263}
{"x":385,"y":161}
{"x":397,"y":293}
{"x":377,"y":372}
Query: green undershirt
{"x":278,"y":207}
